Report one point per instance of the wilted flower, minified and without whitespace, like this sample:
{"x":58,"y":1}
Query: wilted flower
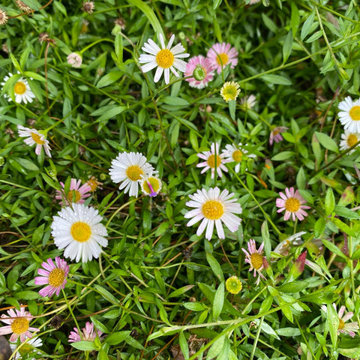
{"x":275,"y":134}
{"x":88,"y":6}
{"x":74,"y":59}
{"x":22,"y":6}
{"x":88,"y":333}
{"x":3,"y":17}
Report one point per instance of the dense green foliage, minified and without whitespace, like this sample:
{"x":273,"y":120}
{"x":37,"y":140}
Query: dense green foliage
{"x":158,"y":289}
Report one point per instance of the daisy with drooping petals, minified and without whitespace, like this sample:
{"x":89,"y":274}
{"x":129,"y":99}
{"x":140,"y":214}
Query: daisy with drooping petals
{"x":79,"y":231}
{"x":165,"y":59}
{"x":349,"y":139}
{"x":22,"y":90}
{"x":255,"y":259}
{"x":150,"y":185}
{"x":200,"y":70}
{"x":221,"y":55}
{"x":275,"y":134}
{"x":293,"y":204}
{"x":236,"y":154}
{"x":349,"y":115}
{"x":53,"y":275}
{"x":18,"y":323}
{"x":230,"y":91}
{"x":77,"y":194}
{"x":213,"y":160}
{"x":94,"y":183}
{"x":343,"y":328}
{"x":127,"y":169}
{"x":248,"y":102}
{"x":213,"y":208}
{"x":34,"y":137}
{"x":27,"y":348}
{"x":88,"y":333}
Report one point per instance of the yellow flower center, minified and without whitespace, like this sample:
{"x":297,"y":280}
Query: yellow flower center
{"x":92,"y":182}
{"x":222,"y":59}
{"x":20,"y":325}
{"x":230,"y":91}
{"x":213,"y":209}
{"x":56,"y":277}
{"x":134,"y":172}
{"x":211,"y":161}
{"x":341,"y":324}
{"x":73,"y":196}
{"x":19,"y":88}
{"x":233,"y":285}
{"x":292,"y":204}
{"x":256,"y":260}
{"x":165,"y":58}
{"x":237,"y":155}
{"x":355,"y":113}
{"x":25,"y":349}
{"x":276,"y":131}
{"x":154,"y":182}
{"x":37,"y":138}
{"x":80,"y":231}
{"x":352,"y":140}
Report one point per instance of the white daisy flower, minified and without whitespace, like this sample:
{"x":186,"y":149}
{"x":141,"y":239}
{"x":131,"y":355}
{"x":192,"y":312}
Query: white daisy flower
{"x":165,"y":59}
{"x":151,"y":185}
{"x":34,"y":137}
{"x":349,"y":115}
{"x":22,"y":90}
{"x":236,"y":154}
{"x":79,"y":231}
{"x":127,"y":169}
{"x":213,"y":160}
{"x":213,"y":208}
{"x":349,"y":139}
{"x":27,"y":348}
{"x":248,"y":102}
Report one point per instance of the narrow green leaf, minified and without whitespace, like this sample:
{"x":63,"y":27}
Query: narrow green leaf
{"x":327,"y":142}
{"x":329,"y":202}
{"x":287,"y":46}
{"x":218,"y":301}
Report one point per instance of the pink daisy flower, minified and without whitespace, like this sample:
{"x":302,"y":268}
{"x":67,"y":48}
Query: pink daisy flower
{"x":18,"y":323}
{"x":256,"y":259}
{"x":221,"y":55}
{"x":343,"y":328}
{"x":213,"y":160}
{"x":292,"y":202}
{"x":53,"y":275}
{"x":275,"y":134}
{"x":76,"y":193}
{"x":88,"y":333}
{"x":201,"y":71}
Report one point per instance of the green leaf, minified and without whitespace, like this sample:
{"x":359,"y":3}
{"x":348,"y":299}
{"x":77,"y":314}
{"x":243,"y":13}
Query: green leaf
{"x":216,"y":4}
{"x":287,"y":46}
{"x":215,"y":266}
{"x":295,"y":17}
{"x":284,"y":155}
{"x":333,"y":323}
{"x":109,"y":78}
{"x":149,"y":13}
{"x":175,"y":101}
{"x":117,"y":337}
{"x":180,"y":291}
{"x":293,"y":287}
{"x":276,"y":79}
{"x":329,"y":202}
{"x":27,"y":295}
{"x":34,"y":4}
{"x":111,"y":113}
{"x":327,"y":142}
{"x":333,"y":248}
{"x":307,"y":26}
{"x":84,"y":345}
{"x":27,"y":164}
{"x":218,"y":301}
{"x":184,"y":345}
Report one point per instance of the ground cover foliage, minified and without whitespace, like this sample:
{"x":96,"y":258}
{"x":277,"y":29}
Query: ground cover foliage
{"x":159,"y":291}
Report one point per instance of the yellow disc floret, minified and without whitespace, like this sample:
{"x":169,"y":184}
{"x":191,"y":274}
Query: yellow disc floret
{"x":134,"y":172}
{"x":20,"y":325}
{"x":292,"y":204}
{"x":222,"y":59}
{"x":213,"y":209}
{"x":256,"y":260}
{"x":37,"y":138}
{"x":230,"y":91}
{"x":211,"y":161}
{"x":56,"y":277}
{"x":351,"y":140}
{"x":165,"y":58}
{"x":233,"y":285}
{"x":355,"y":113}
{"x":73,"y":196}
{"x":237,"y":155}
{"x":19,"y":88}
{"x":154,"y":182}
{"x":80,"y":231}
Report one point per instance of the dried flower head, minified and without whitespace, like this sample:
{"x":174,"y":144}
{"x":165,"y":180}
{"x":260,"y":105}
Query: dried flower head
{"x":44,"y":36}
{"x":74,"y":59}
{"x":121,"y":22}
{"x":22,"y":6}
{"x":3,"y":17}
{"x":88,"y":6}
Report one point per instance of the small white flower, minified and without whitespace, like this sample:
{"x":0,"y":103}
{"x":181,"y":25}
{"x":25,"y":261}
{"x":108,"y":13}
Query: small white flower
{"x":74,"y":59}
{"x":22,"y":90}
{"x":248,"y":102}
{"x":349,"y":115}
{"x":284,"y":246}
{"x":34,"y":342}
{"x":79,"y":231}
{"x":127,"y":170}
{"x":213,"y":160}
{"x":236,"y":154}
{"x":349,"y":139}
{"x":213,"y":208}
{"x":34,"y":137}
{"x":165,"y":59}
{"x":150,"y":185}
